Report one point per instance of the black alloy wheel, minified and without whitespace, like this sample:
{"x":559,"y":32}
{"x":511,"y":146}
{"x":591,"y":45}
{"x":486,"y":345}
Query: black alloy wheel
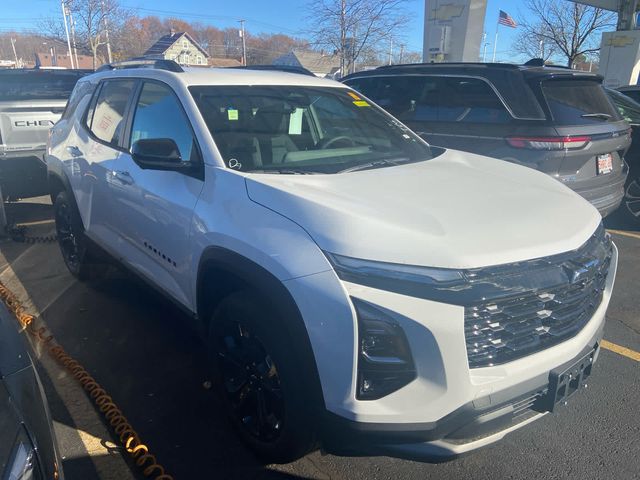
{"x":261,"y":381}
{"x":69,"y":238}
{"x":251,"y":382}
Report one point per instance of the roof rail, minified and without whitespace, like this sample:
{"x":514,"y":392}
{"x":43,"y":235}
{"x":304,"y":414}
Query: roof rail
{"x":447,"y":64}
{"x":160,"y":64}
{"x":278,"y":68}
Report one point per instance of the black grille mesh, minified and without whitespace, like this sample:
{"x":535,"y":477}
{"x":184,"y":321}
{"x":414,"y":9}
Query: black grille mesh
{"x":503,"y":329}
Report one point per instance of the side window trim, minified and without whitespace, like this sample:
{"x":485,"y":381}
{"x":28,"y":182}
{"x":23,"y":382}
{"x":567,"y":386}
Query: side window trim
{"x":92,"y":108}
{"x":131,"y":116}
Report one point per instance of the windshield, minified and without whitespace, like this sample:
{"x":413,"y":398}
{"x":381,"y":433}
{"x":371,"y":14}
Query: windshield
{"x":37,"y":85}
{"x":288,"y":129}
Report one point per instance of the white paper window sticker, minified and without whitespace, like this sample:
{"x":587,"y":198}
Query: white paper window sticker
{"x":295,"y":122}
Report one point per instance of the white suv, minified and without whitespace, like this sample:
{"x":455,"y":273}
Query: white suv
{"x":358,"y":288}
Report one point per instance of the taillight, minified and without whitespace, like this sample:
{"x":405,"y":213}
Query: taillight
{"x":549,"y":143}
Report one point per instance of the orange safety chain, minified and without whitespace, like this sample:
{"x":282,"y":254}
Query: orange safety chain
{"x":128,"y":437}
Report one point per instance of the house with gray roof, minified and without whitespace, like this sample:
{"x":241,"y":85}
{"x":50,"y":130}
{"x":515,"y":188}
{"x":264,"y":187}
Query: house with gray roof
{"x":319,"y":63}
{"x":181,"y":47}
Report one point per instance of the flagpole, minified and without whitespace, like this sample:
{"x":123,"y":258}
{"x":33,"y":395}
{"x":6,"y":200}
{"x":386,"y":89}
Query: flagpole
{"x":495,"y":42}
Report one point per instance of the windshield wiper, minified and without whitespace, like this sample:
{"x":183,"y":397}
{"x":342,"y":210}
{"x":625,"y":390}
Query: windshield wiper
{"x":375,"y":164}
{"x":603,"y":116}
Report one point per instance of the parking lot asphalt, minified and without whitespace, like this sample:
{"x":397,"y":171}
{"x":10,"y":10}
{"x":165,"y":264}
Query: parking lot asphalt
{"x":139,"y":348}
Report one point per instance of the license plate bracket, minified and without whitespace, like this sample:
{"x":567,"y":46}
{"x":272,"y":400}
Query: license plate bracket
{"x":604,"y":164}
{"x":566,"y":381}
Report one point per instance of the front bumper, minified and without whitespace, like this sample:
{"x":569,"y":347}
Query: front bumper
{"x":449,"y":409}
{"x":468,"y":428}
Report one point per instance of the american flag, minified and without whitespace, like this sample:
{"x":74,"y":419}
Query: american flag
{"x":505,"y":19}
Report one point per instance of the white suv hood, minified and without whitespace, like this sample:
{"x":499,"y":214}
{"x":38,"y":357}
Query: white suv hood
{"x":458,"y":210}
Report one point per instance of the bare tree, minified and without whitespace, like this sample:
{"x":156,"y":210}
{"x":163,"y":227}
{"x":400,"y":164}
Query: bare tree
{"x":567,"y":29}
{"x":534,"y":45}
{"x":91,"y":18}
{"x":351,"y":27}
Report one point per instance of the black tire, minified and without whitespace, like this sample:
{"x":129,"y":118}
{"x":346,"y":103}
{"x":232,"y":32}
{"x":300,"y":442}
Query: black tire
{"x":76,"y":253}
{"x":252,"y":358}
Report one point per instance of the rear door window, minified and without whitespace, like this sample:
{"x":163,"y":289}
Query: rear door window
{"x":82,"y":90}
{"x":108,"y":118}
{"x":37,"y":85}
{"x":424,"y":98}
{"x":578,"y":102}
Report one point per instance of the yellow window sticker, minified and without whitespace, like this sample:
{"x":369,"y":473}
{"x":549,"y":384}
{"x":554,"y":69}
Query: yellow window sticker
{"x":232,"y":114}
{"x":361,"y":103}
{"x":353,"y":95}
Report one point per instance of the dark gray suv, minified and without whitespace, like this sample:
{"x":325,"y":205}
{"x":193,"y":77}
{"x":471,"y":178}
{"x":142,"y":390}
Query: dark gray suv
{"x":553,"y":119}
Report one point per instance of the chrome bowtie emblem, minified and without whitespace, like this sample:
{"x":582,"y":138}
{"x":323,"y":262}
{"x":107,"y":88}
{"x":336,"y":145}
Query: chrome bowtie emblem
{"x":579,"y":272}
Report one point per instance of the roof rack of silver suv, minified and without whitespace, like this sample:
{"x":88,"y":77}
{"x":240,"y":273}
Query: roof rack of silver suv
{"x":160,"y":64}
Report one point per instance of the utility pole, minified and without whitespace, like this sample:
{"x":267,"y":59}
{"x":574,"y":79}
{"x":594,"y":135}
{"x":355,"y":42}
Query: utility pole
{"x":106,"y":34}
{"x":401,"y":52}
{"x":390,"y":50}
{"x":15,"y":55}
{"x":484,"y":48}
{"x":66,"y":31}
{"x":542,"y":49}
{"x":244,"y":44}
{"x":72,"y":25}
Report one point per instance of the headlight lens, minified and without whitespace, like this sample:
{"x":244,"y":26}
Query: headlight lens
{"x":384,"y":358}
{"x":356,"y":267}
{"x":441,"y":284}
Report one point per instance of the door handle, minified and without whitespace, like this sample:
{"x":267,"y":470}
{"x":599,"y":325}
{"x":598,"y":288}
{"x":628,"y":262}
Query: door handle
{"x":123,"y":177}
{"x":74,"y":151}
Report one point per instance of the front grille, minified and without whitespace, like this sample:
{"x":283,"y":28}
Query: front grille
{"x":556,"y":296}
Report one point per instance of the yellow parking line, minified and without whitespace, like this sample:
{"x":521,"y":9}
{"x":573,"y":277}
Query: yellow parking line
{"x":624,"y":351}
{"x":624,"y":233}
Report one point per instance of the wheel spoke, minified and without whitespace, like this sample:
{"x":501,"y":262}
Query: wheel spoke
{"x":251,"y":381}
{"x":262,"y":412}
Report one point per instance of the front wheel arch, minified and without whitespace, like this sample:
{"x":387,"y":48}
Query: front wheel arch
{"x":222,"y":272}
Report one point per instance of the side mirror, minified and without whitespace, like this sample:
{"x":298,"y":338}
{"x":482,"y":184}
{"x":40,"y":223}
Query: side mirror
{"x":158,"y":153}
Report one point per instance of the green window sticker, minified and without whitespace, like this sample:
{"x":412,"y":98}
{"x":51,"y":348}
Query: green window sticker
{"x":295,"y":122}
{"x":232,"y":114}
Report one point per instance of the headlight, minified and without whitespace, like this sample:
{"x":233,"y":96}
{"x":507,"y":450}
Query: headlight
{"x":23,"y":464}
{"x":384,"y":358}
{"x":441,"y":284}
{"x":356,"y":267}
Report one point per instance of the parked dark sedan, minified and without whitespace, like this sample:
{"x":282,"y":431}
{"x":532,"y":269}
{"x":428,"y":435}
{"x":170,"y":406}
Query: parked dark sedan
{"x":28,"y":448}
{"x":555,"y":120}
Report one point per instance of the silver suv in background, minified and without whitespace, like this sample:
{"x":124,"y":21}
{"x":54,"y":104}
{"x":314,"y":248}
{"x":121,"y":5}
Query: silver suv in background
{"x":553,"y":119}
{"x":31,"y":102}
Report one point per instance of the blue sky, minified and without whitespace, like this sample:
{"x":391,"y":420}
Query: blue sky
{"x":286,"y":16}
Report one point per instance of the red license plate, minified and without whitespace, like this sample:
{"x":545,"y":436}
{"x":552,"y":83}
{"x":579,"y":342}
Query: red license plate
{"x":604,"y":163}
